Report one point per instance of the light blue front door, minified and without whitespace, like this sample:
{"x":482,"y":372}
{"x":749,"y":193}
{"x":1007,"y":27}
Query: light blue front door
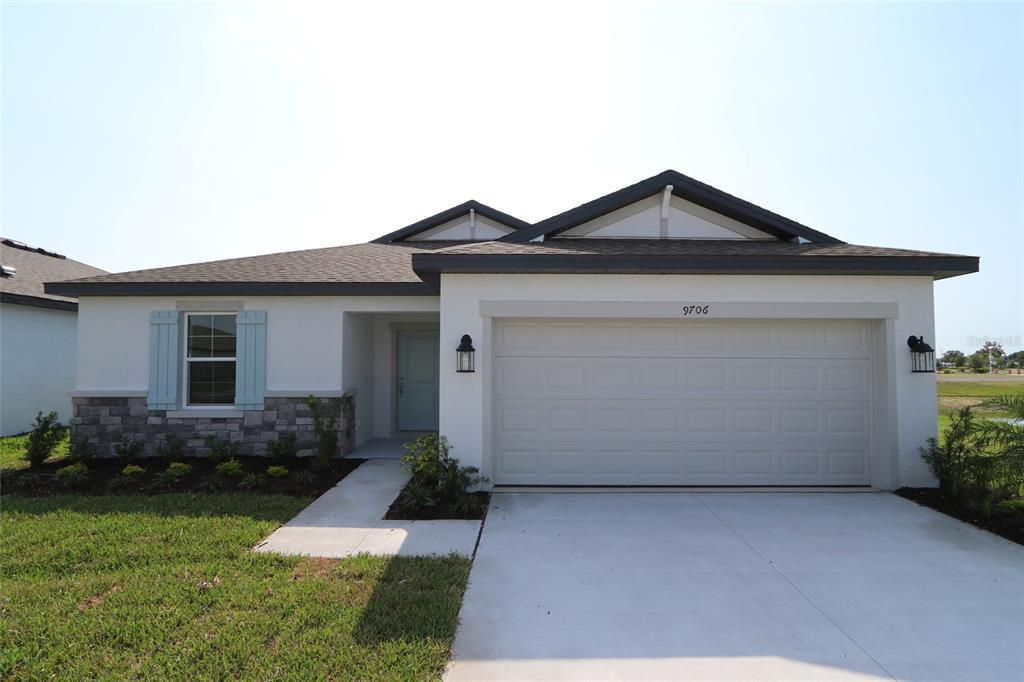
{"x":417,"y":380}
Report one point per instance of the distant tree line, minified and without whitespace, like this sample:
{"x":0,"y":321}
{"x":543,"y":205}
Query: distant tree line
{"x":991,"y":351}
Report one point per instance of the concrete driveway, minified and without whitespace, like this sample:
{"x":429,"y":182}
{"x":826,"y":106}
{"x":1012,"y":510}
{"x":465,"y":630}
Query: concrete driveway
{"x":737,"y":586}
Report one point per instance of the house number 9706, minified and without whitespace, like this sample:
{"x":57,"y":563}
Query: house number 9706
{"x":689,"y":310}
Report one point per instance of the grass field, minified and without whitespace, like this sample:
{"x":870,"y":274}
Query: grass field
{"x":954,"y":395}
{"x":165,"y":587}
{"x":13,"y":447}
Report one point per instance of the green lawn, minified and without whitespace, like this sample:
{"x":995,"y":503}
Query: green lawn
{"x":979,"y":389}
{"x":13,"y":447}
{"x":165,"y":587}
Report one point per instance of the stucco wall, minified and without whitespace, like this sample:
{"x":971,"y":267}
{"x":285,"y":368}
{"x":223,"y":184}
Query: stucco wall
{"x":911,"y":402}
{"x":304,"y":337}
{"x":37,"y":364}
{"x":357,"y":370}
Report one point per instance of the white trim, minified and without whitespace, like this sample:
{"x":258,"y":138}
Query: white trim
{"x":674,"y":310}
{"x":186,"y":361}
{"x":316,"y":393}
{"x":197,"y":413}
{"x":208,"y":306}
{"x":105,"y":393}
{"x":666,"y":203}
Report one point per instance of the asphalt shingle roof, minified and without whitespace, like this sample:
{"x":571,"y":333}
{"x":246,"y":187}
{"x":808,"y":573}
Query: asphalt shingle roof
{"x":34,"y":268}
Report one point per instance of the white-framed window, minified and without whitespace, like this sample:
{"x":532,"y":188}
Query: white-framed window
{"x":209,"y":367}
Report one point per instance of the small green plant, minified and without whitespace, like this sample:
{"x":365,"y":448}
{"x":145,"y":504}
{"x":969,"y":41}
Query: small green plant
{"x":128,"y":450}
{"x":46,"y":433}
{"x":325,"y":426}
{"x":72,"y":474}
{"x":178,"y":469}
{"x":250,"y":481}
{"x":284,"y":451}
{"x":437,"y":478}
{"x":277,"y":471}
{"x":28,"y":482}
{"x":230,"y":468}
{"x":82,"y":451}
{"x":118,"y":483}
{"x":303,"y":478}
{"x":221,"y":450}
{"x":132,"y":470}
{"x":171,"y":449}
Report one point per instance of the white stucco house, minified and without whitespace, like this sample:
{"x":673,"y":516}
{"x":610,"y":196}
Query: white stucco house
{"x":37,"y":334}
{"x":665,"y":334}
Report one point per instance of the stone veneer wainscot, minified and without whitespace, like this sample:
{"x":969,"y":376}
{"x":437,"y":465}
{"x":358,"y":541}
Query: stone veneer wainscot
{"x":105,"y":420}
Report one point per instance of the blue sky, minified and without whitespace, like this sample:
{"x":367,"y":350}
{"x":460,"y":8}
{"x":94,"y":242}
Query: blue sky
{"x":143,"y":135}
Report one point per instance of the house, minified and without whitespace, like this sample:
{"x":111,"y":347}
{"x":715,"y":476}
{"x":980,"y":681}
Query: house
{"x":665,"y":334}
{"x":37,"y":334}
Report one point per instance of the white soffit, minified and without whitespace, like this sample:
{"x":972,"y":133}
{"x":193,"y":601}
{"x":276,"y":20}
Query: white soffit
{"x":465,"y":227}
{"x":685,"y":220}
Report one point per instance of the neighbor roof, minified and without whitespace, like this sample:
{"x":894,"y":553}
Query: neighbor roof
{"x":451,"y":214}
{"x":680,"y":256}
{"x":32,"y":268}
{"x":686,"y":188}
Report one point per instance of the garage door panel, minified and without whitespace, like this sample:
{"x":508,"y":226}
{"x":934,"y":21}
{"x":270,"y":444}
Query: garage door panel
{"x":666,"y":403}
{"x":662,"y":378}
{"x":694,"y":420}
{"x":669,"y":464}
{"x":696,"y":338}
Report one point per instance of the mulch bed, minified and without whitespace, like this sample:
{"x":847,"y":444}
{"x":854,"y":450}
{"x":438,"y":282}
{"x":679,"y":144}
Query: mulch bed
{"x":397,"y":512}
{"x":1009,"y":526}
{"x":303,"y":480}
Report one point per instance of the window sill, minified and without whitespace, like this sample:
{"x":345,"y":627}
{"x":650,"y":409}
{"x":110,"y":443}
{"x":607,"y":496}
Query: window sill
{"x":205,"y":414}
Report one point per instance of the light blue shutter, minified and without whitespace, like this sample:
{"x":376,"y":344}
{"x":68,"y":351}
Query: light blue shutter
{"x":163,"y":360}
{"x":251,"y":363}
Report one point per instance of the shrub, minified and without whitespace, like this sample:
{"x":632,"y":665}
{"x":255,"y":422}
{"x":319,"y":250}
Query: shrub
{"x":979,"y":464}
{"x":128,"y":450}
{"x":132,"y":470}
{"x":82,"y":451}
{"x":277,"y":471}
{"x":325,"y":426}
{"x":46,"y":433}
{"x":72,"y":474}
{"x":250,"y":481}
{"x":28,"y":482}
{"x":221,"y":450}
{"x":120,"y":483}
{"x":172,"y":449}
{"x":178,"y":469}
{"x":232,"y":467}
{"x":437,"y":478}
{"x":284,"y":451}
{"x":303,"y":478}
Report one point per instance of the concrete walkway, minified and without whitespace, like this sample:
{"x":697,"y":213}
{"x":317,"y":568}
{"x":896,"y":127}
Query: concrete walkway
{"x":348,"y":520}
{"x":737,"y":586}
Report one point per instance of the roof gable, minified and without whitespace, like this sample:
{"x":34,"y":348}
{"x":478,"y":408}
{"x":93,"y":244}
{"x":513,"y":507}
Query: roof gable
{"x":467,"y":221}
{"x":694,"y":193}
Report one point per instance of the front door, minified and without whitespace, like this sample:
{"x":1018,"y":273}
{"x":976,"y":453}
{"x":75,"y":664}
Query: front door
{"x":417,"y":388}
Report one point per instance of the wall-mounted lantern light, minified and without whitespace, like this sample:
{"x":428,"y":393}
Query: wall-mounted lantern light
{"x":464,"y":355}
{"x":922,"y":356}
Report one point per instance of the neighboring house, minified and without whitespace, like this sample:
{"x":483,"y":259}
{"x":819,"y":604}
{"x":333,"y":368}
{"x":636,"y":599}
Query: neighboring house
{"x":665,"y":334}
{"x":37,"y":335}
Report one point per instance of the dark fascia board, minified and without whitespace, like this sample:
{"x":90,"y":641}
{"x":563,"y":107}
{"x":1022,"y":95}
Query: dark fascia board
{"x":239,"y":289}
{"x":450,"y":214}
{"x":429,"y":266}
{"x":686,"y":188}
{"x":38,"y":301}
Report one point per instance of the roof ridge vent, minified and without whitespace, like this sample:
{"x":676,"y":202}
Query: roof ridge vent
{"x":15,"y":244}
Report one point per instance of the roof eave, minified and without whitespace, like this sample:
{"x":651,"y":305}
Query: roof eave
{"x":430,"y":266}
{"x":686,"y":188}
{"x":38,"y":301}
{"x":451,"y":214}
{"x":79,"y":289}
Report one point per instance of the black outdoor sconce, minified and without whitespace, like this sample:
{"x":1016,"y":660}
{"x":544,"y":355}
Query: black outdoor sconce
{"x":464,"y":355}
{"x":922,"y":356}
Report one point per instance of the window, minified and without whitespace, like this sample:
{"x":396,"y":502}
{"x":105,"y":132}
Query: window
{"x":210,"y":359}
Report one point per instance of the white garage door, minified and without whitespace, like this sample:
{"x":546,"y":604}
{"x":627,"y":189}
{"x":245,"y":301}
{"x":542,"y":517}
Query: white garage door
{"x":681,"y":403}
